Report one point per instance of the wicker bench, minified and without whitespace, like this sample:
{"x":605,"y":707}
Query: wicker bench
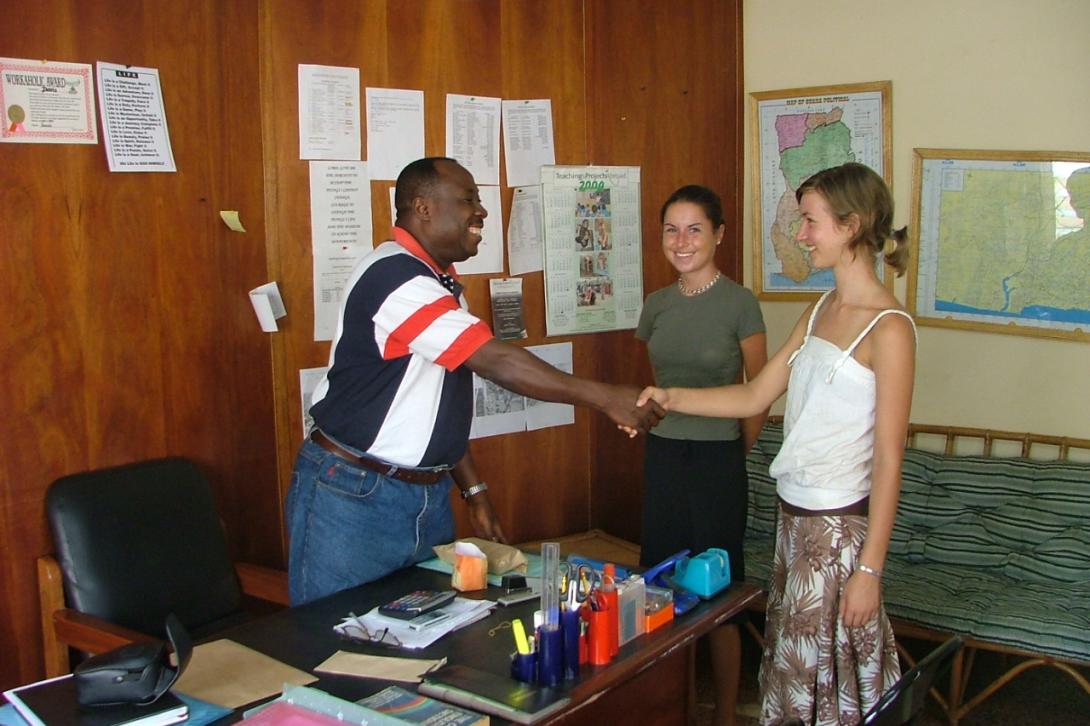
{"x":989,"y":543}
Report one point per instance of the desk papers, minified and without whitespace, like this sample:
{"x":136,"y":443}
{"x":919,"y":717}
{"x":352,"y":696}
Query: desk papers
{"x":226,"y":673}
{"x":382,"y":629}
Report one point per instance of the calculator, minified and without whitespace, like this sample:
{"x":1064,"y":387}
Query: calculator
{"x":416,"y":603}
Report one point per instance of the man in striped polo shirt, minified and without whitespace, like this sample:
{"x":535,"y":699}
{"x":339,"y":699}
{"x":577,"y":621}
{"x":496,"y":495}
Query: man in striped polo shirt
{"x":369,"y":493}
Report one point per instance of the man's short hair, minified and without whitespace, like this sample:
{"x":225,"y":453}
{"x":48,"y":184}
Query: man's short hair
{"x":416,"y":180}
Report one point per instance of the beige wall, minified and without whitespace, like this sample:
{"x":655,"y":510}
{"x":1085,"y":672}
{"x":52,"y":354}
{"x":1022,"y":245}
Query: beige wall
{"x":984,"y":74}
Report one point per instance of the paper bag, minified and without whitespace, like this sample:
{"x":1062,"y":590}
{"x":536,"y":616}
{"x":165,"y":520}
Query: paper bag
{"x":502,"y":558}
{"x":470,"y":567}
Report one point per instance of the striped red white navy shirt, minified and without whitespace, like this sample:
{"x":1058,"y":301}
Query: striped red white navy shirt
{"x":396,"y":388}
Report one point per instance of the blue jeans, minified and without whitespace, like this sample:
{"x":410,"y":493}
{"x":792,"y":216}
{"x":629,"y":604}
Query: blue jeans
{"x":349,"y":525}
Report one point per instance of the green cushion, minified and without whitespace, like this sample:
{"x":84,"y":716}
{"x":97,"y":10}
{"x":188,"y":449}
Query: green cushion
{"x":915,"y":511}
{"x":1028,"y":519}
{"x":1053,"y":619}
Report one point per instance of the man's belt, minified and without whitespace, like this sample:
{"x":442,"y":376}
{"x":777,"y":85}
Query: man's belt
{"x":407,"y":475}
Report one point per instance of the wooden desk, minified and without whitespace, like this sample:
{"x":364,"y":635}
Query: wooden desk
{"x":647,"y":682}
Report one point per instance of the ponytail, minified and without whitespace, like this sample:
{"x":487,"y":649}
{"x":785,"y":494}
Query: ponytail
{"x":896,"y":254}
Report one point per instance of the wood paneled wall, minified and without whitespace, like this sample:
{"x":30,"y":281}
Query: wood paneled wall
{"x":664,"y":93}
{"x":129,"y":334}
{"x":127,"y":329}
{"x":487,"y":48}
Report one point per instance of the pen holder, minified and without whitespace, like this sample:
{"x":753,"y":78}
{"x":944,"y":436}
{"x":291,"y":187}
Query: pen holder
{"x":524,"y":667}
{"x":550,"y":656}
{"x":612,"y":611}
{"x":598,"y":640}
{"x":570,"y":628}
{"x":584,"y":650}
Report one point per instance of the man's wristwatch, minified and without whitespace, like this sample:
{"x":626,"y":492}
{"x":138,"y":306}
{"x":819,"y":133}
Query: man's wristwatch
{"x":474,"y":490}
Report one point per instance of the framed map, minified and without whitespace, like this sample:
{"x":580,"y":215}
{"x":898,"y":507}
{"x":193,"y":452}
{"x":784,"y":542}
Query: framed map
{"x":797,"y":133}
{"x":1001,"y":241}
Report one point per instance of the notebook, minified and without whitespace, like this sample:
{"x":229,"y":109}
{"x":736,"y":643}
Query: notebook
{"x":53,"y":701}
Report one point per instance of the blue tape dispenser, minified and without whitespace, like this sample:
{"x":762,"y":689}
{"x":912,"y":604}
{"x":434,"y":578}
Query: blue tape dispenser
{"x":706,"y":574}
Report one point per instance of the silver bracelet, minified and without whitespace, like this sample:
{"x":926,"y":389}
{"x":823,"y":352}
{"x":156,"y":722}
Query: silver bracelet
{"x":869,"y":570}
{"x":474,"y":490}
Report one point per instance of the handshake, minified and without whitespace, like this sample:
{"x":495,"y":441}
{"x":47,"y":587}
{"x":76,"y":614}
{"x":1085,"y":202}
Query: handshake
{"x":635,"y":411}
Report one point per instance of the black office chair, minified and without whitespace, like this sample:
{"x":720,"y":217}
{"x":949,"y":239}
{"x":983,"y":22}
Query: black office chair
{"x":902,"y":703}
{"x":133,"y":544}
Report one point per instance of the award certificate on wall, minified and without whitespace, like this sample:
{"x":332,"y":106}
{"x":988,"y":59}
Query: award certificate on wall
{"x":593,"y":260}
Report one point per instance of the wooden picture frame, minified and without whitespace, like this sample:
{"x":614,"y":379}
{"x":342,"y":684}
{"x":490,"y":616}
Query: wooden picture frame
{"x":795,"y":133}
{"x":998,"y":245}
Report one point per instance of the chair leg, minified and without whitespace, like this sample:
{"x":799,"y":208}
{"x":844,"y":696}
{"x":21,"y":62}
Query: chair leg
{"x":51,"y":599}
{"x":956,"y":688}
{"x":757,"y":636}
{"x":1014,"y":672}
{"x":691,"y":697}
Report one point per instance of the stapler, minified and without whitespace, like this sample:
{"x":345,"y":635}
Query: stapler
{"x":706,"y":574}
{"x":575,"y":560}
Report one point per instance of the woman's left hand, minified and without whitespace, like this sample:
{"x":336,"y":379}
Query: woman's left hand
{"x":859,"y":603}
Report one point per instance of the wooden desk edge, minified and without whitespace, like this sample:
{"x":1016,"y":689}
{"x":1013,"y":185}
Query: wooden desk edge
{"x":621,"y":671}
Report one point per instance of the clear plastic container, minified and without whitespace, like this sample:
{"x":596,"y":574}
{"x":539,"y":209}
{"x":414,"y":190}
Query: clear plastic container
{"x":550,"y":585}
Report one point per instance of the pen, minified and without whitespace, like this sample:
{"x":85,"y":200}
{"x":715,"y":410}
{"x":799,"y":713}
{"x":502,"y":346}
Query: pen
{"x":520,"y":636}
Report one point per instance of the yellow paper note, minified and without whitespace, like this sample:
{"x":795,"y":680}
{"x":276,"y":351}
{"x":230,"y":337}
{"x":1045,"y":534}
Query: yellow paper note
{"x":231,"y":219}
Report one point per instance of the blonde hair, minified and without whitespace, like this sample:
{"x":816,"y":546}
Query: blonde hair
{"x":855,"y":189}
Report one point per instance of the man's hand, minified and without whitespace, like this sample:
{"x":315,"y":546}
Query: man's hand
{"x":630,"y":416}
{"x":483,"y":518}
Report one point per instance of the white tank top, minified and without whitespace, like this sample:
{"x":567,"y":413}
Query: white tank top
{"x":828,"y":446}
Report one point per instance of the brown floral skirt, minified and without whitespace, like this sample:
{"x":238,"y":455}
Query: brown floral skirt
{"x":815,"y":668}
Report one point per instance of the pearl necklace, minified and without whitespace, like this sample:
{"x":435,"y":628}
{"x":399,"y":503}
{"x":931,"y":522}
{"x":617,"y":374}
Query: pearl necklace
{"x":703,"y":288}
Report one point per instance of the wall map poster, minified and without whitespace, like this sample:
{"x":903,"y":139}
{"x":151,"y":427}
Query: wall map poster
{"x":797,"y":133}
{"x":1003,"y":243}
{"x":593,"y":261}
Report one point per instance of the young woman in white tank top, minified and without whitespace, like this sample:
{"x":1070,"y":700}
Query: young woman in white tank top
{"x":848,"y":369}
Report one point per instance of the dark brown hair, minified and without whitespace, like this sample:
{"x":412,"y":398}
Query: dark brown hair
{"x":701,"y":196}
{"x":855,"y":189}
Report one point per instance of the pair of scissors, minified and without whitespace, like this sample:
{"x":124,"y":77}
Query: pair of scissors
{"x":565,"y":571}
{"x":585,"y":580}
